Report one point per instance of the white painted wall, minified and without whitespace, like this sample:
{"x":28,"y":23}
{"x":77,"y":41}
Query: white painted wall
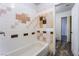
{"x":58,"y":22}
{"x":75,"y":29}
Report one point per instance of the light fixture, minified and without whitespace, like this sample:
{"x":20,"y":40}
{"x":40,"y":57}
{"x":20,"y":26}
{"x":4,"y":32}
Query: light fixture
{"x":67,"y":5}
{"x":12,"y":5}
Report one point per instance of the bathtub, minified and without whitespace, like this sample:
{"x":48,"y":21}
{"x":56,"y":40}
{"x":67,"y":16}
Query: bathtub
{"x":35,"y":49}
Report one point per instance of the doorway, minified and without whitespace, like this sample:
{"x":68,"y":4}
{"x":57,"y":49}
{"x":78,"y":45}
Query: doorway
{"x":63,"y":30}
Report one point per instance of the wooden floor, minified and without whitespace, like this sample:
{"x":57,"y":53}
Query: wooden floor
{"x":63,"y":50}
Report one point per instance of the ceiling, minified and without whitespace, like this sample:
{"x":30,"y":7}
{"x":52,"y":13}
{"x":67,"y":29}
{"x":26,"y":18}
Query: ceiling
{"x":36,"y":3}
{"x":63,"y":7}
{"x":60,"y":7}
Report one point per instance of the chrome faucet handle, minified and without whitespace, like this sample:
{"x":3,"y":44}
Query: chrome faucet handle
{"x":2,"y":33}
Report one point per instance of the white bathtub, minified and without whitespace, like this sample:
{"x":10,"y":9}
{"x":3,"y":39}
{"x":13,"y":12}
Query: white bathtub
{"x":35,"y":49}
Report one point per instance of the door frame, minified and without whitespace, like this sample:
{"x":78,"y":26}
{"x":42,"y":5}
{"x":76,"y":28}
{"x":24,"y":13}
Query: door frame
{"x":70,"y":28}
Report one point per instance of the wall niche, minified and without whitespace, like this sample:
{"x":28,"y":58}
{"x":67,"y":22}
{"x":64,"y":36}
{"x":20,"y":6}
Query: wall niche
{"x":42,"y":21}
{"x":46,"y":20}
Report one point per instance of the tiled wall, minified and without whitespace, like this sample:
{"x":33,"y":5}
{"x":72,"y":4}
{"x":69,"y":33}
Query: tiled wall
{"x":21,"y":35}
{"x":45,"y":20}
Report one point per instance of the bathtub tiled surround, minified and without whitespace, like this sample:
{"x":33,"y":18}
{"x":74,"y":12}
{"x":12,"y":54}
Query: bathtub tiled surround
{"x":30,"y":37}
{"x":42,"y":36}
{"x":27,"y":38}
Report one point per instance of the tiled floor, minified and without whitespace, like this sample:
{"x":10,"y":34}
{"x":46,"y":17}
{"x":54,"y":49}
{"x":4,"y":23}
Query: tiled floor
{"x":63,"y":50}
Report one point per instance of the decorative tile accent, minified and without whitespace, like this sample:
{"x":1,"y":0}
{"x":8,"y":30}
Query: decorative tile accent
{"x":38,"y":31}
{"x":33,"y":33}
{"x":14,"y":36}
{"x":44,"y":31}
{"x":22,"y":17}
{"x":44,"y":21}
{"x":25,"y":34}
{"x":51,"y":32}
{"x":41,"y":18}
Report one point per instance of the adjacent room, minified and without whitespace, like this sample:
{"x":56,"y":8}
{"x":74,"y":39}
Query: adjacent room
{"x":64,"y":28}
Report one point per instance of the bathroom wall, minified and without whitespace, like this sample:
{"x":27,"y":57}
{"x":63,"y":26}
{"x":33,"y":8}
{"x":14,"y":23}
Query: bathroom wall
{"x":11,"y":26}
{"x":7,"y":20}
{"x":48,"y":8}
{"x":58,"y":22}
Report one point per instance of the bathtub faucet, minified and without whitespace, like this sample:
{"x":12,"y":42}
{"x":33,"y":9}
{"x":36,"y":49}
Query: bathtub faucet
{"x":2,"y":33}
